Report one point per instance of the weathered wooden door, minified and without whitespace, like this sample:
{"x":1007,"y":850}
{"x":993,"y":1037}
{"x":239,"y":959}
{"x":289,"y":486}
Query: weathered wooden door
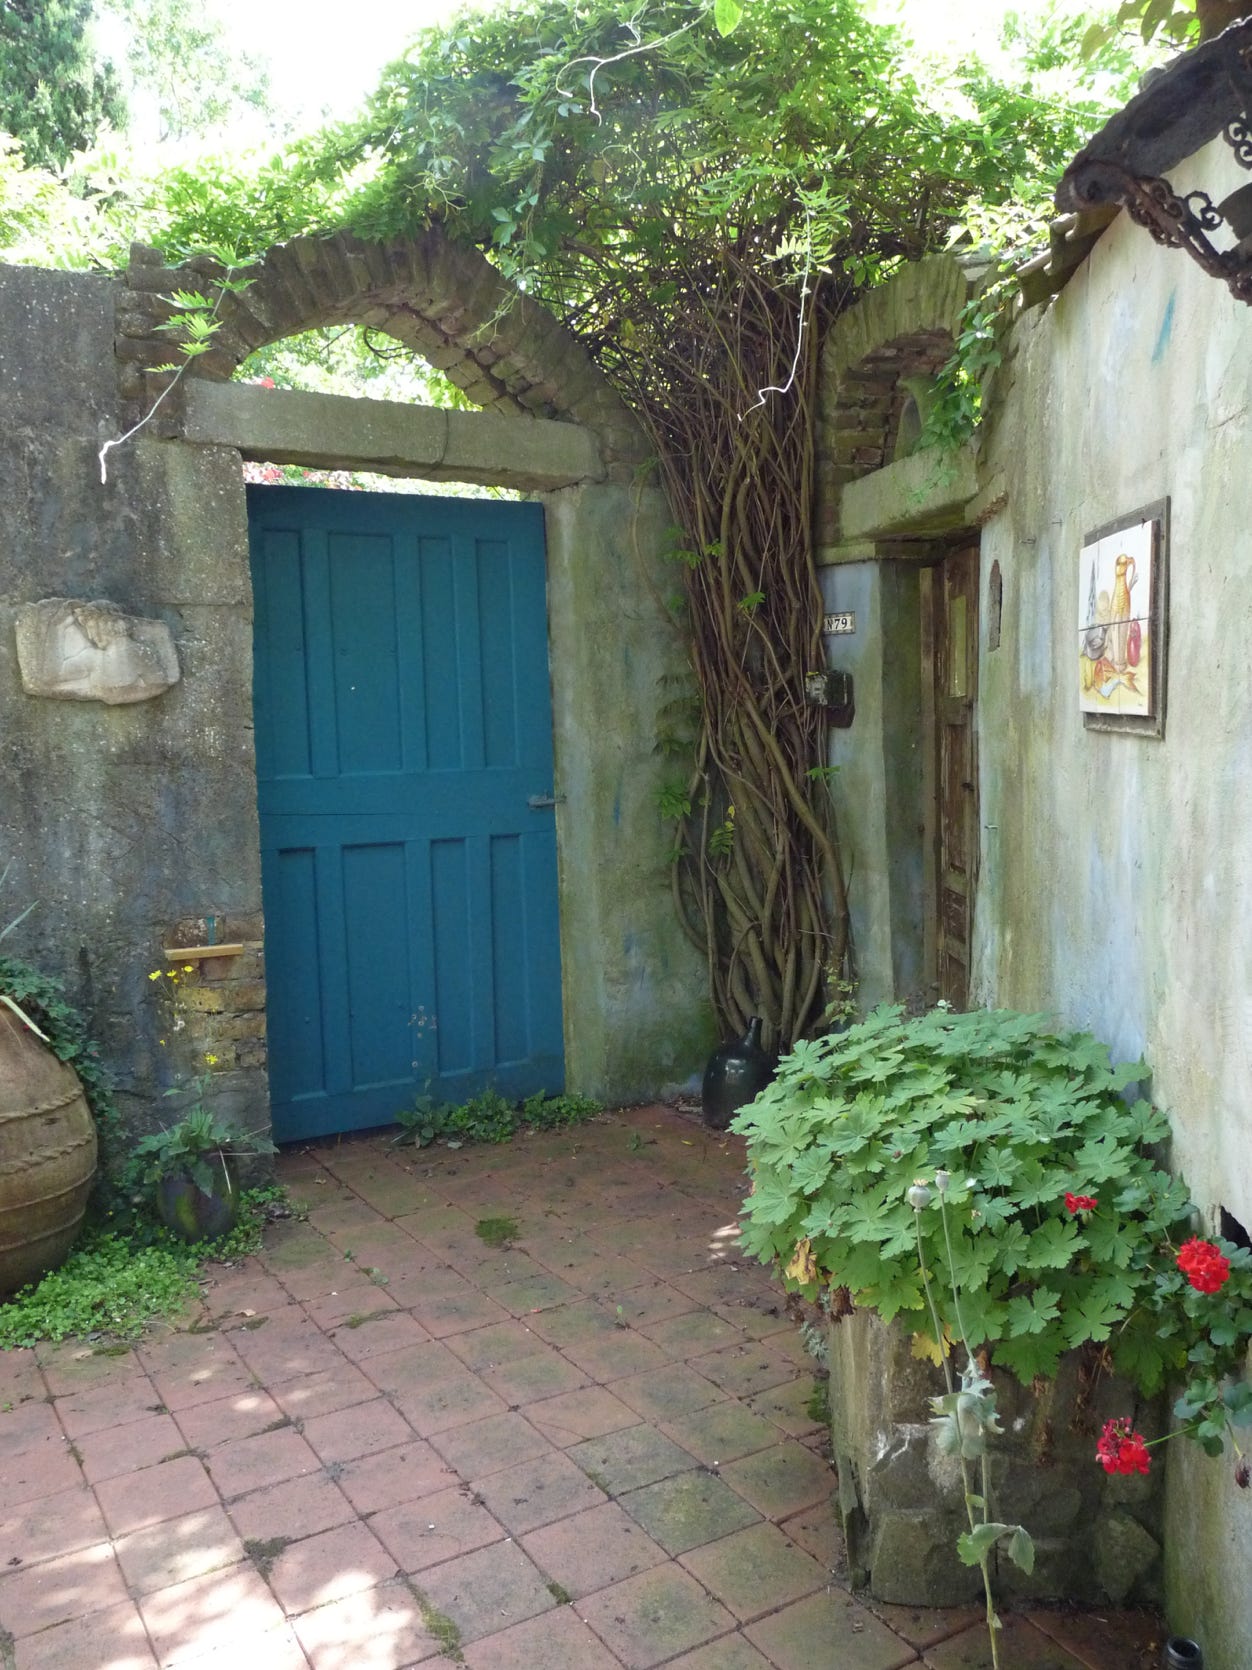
{"x":403,"y":727}
{"x":954,"y":594}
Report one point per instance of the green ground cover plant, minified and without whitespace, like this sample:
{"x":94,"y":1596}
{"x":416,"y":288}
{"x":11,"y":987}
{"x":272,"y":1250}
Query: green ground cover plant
{"x":490,"y":1117}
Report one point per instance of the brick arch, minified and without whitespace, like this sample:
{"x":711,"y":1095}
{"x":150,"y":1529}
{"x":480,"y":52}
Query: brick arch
{"x":871,"y":365}
{"x":442,"y":299}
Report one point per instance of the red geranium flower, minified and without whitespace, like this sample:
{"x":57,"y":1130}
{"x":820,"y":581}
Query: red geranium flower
{"x":1122,"y":1450}
{"x":1205,"y":1266}
{"x":1080,"y":1203}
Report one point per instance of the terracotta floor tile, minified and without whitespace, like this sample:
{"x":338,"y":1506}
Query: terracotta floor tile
{"x":235,"y":1295}
{"x":329,"y":1566}
{"x":652,"y":1301}
{"x":1020,"y":1645}
{"x":576,"y":1416}
{"x":532,"y":1293}
{"x":76,"y":1585}
{"x":229,"y":1611}
{"x":371,"y":1333}
{"x":451,"y":1402}
{"x":374,"y":1629}
{"x":215,"y":1371}
{"x":37,"y":1473}
{"x":831,"y":1628}
{"x":277,"y":1648}
{"x":21,"y":1378}
{"x":362,"y":1429}
{"x":497,"y":1343}
{"x":114,"y":1639}
{"x":357,"y":1298}
{"x":655,"y":1616}
{"x":692,"y":1334}
{"x":743,"y":1370}
{"x":537,"y":1492}
{"x":295,"y":1508}
{"x":923,"y":1626}
{"x":436,"y":1528}
{"x":321,"y":1394}
{"x":252,"y":1463}
{"x":72,"y":1367}
{"x":688,"y":1510}
{"x":616,"y":1355}
{"x":391,"y":1477}
{"x":755,"y":1571}
{"x":485,"y":1447}
{"x":622,"y":1461}
{"x":413,"y":1367}
{"x":729,"y":1652}
{"x":165,"y":1491}
{"x":721,"y":1433}
{"x":781,"y":1481}
{"x":178,"y":1549}
{"x":816,"y":1529}
{"x":486,"y":1592}
{"x":788,"y":1405}
{"x":555,"y":1641}
{"x":582,"y":1322}
{"x":1104,"y":1640}
{"x":456,"y":1312}
{"x":51,"y":1525}
{"x":592,"y":1550}
{"x":287,"y":1352}
{"x":239,"y":1415}
{"x":542,"y":1374}
{"x":26,"y":1425}
{"x":107,"y":1405}
{"x":126,"y":1449}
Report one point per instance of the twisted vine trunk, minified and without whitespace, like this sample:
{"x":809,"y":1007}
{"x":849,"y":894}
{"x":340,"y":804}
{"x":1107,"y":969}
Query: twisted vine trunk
{"x":757,"y":877}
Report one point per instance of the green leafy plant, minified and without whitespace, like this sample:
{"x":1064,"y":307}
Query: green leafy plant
{"x":490,"y":1117}
{"x":1059,"y":1229}
{"x":199,"y":1145}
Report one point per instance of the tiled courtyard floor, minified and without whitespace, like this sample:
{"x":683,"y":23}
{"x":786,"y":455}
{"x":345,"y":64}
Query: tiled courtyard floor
{"x":385,"y":1443}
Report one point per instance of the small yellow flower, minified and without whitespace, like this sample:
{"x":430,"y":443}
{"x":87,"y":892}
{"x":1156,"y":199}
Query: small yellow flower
{"x":189,"y":968}
{"x":212,"y":1060}
{"x":155,"y":975}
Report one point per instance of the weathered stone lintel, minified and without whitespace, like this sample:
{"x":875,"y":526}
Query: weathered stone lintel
{"x":331,"y":431}
{"x":926,"y":493}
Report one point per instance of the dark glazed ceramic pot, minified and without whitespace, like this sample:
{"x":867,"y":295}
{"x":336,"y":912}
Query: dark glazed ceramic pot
{"x":1181,"y":1654}
{"x":736,"y":1073}
{"x":194,"y":1215}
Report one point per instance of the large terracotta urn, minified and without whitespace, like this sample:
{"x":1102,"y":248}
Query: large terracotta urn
{"x":47,"y":1156}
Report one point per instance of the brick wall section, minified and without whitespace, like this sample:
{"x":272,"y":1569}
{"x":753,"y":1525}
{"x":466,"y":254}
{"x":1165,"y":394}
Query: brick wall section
{"x":905,"y":329}
{"x":442,"y":299}
{"x":220,"y":1000}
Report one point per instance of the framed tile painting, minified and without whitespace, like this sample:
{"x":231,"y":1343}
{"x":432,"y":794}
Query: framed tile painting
{"x":1122,"y":593}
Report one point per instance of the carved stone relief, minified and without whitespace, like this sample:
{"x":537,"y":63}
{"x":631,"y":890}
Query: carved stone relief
{"x":93,"y":652}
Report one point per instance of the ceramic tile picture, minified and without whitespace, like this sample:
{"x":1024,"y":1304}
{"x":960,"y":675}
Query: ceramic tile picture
{"x":1121,"y":645}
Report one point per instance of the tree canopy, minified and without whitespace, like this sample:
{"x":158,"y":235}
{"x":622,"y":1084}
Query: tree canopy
{"x":54,"y":95}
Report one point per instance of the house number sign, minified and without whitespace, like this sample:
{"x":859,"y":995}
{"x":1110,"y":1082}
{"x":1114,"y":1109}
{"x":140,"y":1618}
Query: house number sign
{"x":834,"y":625}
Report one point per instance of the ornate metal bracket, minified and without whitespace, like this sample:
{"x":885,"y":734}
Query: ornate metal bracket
{"x":1201,"y":94}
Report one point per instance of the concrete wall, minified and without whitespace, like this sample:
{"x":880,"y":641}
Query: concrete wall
{"x":131,"y":825}
{"x":126,"y":824}
{"x":1117,"y":881}
{"x":1115,"y":886}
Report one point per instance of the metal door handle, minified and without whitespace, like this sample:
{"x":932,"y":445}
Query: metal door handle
{"x":537,"y":802}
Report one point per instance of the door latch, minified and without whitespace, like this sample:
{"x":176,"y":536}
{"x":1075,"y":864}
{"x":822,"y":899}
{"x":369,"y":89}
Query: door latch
{"x":537,"y":802}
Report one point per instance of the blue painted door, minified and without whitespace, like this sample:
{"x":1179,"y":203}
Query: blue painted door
{"x":403,"y":724}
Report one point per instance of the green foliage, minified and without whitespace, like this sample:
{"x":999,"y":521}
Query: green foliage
{"x":54,"y":96}
{"x":197,"y":1146}
{"x":116,"y":1283}
{"x":180,"y":58}
{"x":497,"y":1232}
{"x":488,"y":1117}
{"x":1019,"y":1115}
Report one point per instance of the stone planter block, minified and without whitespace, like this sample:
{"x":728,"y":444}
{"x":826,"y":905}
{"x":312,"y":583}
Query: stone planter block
{"x":901,"y":1501}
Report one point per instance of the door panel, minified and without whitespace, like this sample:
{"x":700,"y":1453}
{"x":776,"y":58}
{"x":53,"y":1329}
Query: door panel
{"x":403,"y":721}
{"x":955,"y":638}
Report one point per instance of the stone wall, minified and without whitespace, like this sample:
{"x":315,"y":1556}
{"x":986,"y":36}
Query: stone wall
{"x":1113,"y":887}
{"x":134,"y":826}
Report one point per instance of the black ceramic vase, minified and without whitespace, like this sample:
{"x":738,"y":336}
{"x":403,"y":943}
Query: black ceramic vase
{"x":735,"y":1074}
